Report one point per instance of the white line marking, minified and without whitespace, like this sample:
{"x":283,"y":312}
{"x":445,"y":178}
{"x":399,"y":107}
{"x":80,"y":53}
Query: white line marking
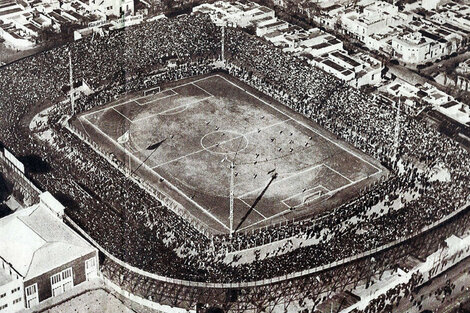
{"x":267,"y":219}
{"x":219,"y":143}
{"x":171,"y":109}
{"x":306,"y":191}
{"x":338,"y":173}
{"x":281,"y":180}
{"x":155,"y":100}
{"x":354,"y":182}
{"x":121,"y":114}
{"x":302,"y":202}
{"x":138,"y":98}
{"x":237,"y":135}
{"x":195,"y":152}
{"x":249,"y":206}
{"x":158,"y":175}
{"x":197,"y":86}
{"x":303,"y":124}
{"x":288,"y":206}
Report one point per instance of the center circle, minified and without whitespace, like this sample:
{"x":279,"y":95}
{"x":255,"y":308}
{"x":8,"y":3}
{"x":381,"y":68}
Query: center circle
{"x":224,"y":142}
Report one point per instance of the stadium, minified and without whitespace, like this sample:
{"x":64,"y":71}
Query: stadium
{"x":239,"y":178}
{"x":222,"y":121}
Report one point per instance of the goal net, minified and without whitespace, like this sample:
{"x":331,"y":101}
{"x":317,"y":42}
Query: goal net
{"x":312,"y":196}
{"x":152,"y":91}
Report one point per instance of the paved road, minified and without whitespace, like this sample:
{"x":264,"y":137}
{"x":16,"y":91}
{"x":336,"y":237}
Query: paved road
{"x":435,"y":67}
{"x":408,"y":75}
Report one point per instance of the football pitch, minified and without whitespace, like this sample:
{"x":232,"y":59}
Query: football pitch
{"x":184,"y":138}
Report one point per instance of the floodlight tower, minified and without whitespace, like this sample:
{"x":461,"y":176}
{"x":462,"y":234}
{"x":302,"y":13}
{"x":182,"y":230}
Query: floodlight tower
{"x":72,"y":97}
{"x":232,"y":167}
{"x":232,"y":178}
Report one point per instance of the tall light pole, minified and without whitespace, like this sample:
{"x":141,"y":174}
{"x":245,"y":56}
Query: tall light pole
{"x":72,"y":97}
{"x":232,"y":178}
{"x":232,"y":166}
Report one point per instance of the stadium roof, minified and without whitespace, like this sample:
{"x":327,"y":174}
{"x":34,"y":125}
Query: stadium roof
{"x":35,"y":241}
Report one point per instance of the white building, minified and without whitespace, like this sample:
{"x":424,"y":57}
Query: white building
{"x":358,"y":70}
{"x":430,"y":4}
{"x":40,"y":256}
{"x":271,"y":26}
{"x":376,"y":18}
{"x":237,"y":14}
{"x":429,"y":43}
{"x":112,"y":7}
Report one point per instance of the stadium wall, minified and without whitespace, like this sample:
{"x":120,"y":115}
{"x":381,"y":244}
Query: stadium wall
{"x":264,"y":282}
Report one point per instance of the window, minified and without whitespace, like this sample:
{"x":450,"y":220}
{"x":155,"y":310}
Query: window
{"x":55,"y":279}
{"x":91,"y":263}
{"x":16,"y":301}
{"x":31,"y":290}
{"x":15,"y":290}
{"x":67,"y":273}
{"x":3,"y":295}
{"x":61,"y":282}
{"x":3,"y":307}
{"x":32,"y":295}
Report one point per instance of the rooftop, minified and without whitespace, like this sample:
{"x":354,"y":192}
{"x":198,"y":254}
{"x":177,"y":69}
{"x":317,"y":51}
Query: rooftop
{"x":30,"y":236}
{"x":265,"y":9}
{"x":11,"y":11}
{"x":333,"y":65}
{"x":274,"y":24}
{"x":346,"y":59}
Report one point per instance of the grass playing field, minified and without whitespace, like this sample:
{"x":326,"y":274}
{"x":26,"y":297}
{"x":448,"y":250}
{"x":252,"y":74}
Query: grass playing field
{"x":204,"y":124}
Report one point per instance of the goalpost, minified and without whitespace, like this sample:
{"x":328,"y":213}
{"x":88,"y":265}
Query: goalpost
{"x":312,"y":196}
{"x":152,"y":91}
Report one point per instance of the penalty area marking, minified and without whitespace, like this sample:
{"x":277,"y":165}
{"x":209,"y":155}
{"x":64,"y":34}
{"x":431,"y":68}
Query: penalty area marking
{"x":155,"y":99}
{"x":277,"y":181}
{"x":142,"y":97}
{"x":121,"y":114}
{"x":309,"y":192}
{"x":335,"y":171}
{"x":158,"y":175}
{"x":165,"y":112}
{"x":246,"y":203}
{"x":197,"y":86}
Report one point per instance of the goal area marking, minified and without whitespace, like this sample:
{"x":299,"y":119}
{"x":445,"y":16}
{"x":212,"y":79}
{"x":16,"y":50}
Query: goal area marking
{"x":152,"y":91}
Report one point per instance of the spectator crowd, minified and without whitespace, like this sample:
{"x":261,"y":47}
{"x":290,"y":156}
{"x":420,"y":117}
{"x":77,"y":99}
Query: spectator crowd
{"x":141,"y":231}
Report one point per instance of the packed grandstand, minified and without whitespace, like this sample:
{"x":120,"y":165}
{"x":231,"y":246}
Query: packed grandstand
{"x":105,"y":206}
